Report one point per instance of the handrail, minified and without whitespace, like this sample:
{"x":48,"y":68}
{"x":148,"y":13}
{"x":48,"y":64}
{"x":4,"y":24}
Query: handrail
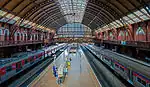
{"x":7,"y":43}
{"x":145,"y":44}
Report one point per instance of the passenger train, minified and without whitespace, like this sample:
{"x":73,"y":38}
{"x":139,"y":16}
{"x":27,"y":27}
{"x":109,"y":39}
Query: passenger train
{"x":135,"y":72}
{"x":19,"y":62}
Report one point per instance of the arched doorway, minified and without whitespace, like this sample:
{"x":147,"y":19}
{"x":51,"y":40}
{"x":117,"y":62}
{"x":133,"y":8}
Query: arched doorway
{"x":25,"y":37}
{"x":0,"y":34}
{"x":22,"y":36}
{"x":6,"y":35}
{"x":18,"y":36}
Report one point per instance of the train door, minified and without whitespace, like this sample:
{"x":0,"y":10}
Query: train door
{"x":18,"y":66}
{"x":130,"y":76}
{"x":112,"y":64}
{"x":32,"y":60}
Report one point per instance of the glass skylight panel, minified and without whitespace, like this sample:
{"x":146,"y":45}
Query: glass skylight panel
{"x":4,"y":20}
{"x":119,"y":22}
{"x":2,"y":13}
{"x":131,"y":15}
{"x":126,"y":18}
{"x":144,"y":17}
{"x":130,"y":21}
{"x":143,"y":10}
{"x":136,"y":19}
{"x":73,"y":9}
{"x":138,"y":13}
{"x":16,"y":18}
{"x":9,"y":16}
{"x":11,"y":21}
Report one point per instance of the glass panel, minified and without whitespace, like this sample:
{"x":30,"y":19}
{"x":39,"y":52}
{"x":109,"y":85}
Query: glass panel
{"x":2,"y":13}
{"x":73,"y":9}
{"x":16,"y":18}
{"x":4,"y":19}
{"x":74,"y":30}
{"x":136,"y":19}
{"x":26,"y":21}
{"x":126,"y":18}
{"x":131,"y":15}
{"x":143,"y":10}
{"x":130,"y":21}
{"x":144,"y":17}
{"x":11,"y":21}
{"x":9,"y":16}
{"x":138,"y":13}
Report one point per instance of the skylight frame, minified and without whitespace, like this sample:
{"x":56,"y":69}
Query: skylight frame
{"x":69,"y":7}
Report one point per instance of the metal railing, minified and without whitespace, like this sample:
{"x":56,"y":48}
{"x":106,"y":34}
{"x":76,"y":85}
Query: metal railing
{"x":10,"y":43}
{"x":144,"y":44}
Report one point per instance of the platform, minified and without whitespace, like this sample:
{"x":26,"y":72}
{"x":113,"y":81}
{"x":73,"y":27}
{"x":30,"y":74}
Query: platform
{"x":80,"y":73}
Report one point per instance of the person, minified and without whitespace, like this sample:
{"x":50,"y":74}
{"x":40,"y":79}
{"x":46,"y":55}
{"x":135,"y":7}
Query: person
{"x":65,"y":71}
{"x":54,"y":70}
{"x":70,"y":59}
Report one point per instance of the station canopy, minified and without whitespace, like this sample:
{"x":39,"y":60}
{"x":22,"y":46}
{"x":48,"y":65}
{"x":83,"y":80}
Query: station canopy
{"x":53,"y":14}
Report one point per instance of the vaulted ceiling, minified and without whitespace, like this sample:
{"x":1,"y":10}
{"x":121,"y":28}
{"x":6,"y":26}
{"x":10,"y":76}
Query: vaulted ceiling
{"x":49,"y":13}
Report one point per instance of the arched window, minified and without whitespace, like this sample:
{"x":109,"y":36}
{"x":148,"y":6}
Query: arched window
{"x":6,"y":34}
{"x":121,"y":33}
{"x":18,"y":36}
{"x":73,"y":30}
{"x":126,"y":33}
{"x":0,"y":34}
{"x":140,"y":34}
{"x":111,"y":35}
{"x":105,"y":36}
{"x":25,"y":37}
{"x":22,"y":36}
{"x":33,"y":37}
{"x":140,"y":31}
{"x":0,"y":31}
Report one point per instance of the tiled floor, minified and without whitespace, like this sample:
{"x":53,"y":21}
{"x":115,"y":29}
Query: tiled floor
{"x":79,"y":74}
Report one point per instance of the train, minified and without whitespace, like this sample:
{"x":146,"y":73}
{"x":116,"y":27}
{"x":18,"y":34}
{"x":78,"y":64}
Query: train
{"x":19,"y":62}
{"x":134,"y":71}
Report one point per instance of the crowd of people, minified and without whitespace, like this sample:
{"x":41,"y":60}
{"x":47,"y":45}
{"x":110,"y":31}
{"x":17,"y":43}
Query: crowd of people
{"x":61,"y":72}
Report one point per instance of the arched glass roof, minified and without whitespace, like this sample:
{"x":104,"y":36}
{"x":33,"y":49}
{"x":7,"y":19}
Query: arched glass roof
{"x":73,"y":10}
{"x":52,"y":14}
{"x":74,"y":30}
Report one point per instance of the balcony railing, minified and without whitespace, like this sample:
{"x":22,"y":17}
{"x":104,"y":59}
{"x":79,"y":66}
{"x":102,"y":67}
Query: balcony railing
{"x":13,"y":43}
{"x":129,"y":43}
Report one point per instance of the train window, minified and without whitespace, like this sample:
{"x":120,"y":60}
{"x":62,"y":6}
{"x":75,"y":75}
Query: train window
{"x":138,"y":79}
{"x":107,"y":59}
{"x":26,"y":61}
{"x":8,"y":68}
{"x":141,"y":81}
{"x":116,"y":65}
{"x":121,"y":68}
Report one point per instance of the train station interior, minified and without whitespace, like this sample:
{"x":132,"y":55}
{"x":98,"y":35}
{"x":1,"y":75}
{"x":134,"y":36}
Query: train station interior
{"x":74,"y":43}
